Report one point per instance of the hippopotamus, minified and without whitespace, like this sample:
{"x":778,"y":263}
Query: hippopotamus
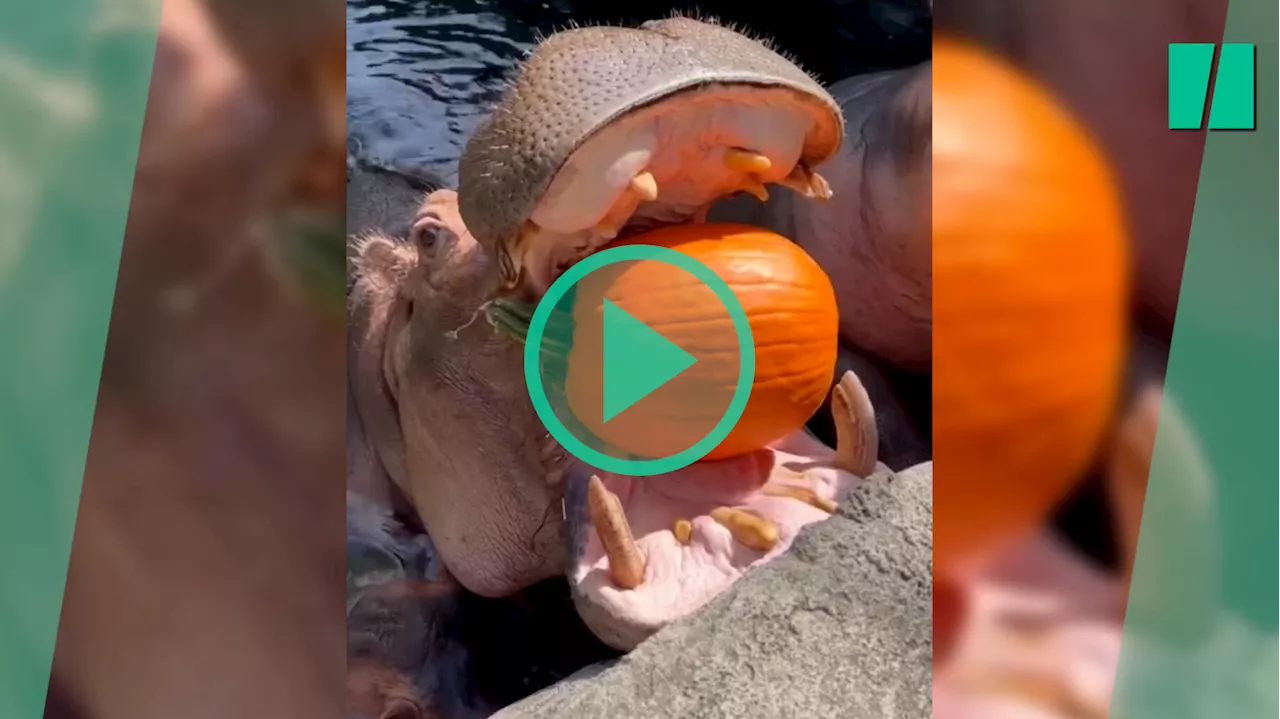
{"x":604,"y":132}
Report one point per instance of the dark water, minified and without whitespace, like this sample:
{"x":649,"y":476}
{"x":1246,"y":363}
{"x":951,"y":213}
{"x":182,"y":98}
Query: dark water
{"x":421,"y":73}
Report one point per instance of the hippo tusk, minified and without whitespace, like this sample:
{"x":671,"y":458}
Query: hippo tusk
{"x":801,"y":494}
{"x":752,"y":165}
{"x":857,"y":438}
{"x":807,"y":183}
{"x":618,"y":215}
{"x":757,"y":188}
{"x":626,"y":563}
{"x":747,"y":162}
{"x":748,"y":528}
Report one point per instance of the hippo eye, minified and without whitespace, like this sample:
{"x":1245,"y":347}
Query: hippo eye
{"x":426,"y":234}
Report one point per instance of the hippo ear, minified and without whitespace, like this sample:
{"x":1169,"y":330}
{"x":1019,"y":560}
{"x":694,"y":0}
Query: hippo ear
{"x":381,"y":265}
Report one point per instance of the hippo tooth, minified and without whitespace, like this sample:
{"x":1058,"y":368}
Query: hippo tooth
{"x":807,"y":183}
{"x":613,"y":221}
{"x":857,"y":439}
{"x":756,"y":188}
{"x":645,"y":186}
{"x":748,"y":528}
{"x":626,"y":563}
{"x":745,"y":161}
{"x":821,"y":188}
{"x":801,"y":494}
{"x":683,"y":530}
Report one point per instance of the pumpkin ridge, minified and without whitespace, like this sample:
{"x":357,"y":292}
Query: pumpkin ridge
{"x":794,"y":320}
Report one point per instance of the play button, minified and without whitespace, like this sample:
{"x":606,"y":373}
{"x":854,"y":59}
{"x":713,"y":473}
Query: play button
{"x":639,"y":360}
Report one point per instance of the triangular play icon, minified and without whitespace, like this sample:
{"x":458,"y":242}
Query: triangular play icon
{"x":637,"y":360}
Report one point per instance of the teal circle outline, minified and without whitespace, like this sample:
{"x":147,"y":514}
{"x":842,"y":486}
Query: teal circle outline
{"x":580,"y":449}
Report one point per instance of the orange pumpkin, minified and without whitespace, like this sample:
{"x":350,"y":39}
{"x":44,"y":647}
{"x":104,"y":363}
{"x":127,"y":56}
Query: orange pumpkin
{"x":791,"y":308}
{"x":1030,"y":267}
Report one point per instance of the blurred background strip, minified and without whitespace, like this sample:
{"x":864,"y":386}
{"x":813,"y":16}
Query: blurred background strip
{"x":73,"y":87}
{"x":206,"y":577}
{"x":1200,"y":634}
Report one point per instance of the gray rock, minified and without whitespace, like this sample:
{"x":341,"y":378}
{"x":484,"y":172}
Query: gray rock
{"x":840,"y":627}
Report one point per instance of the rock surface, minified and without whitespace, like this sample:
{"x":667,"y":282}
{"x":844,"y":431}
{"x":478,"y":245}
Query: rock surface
{"x":840,"y":627}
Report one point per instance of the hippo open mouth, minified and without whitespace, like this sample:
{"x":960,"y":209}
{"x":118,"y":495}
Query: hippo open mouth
{"x":607,"y":132}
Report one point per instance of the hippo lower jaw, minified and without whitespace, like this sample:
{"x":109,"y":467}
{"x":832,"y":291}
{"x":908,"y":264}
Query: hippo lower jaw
{"x":649,"y":551}
{"x":667,"y":163}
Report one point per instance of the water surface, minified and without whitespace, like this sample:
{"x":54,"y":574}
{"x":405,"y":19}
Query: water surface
{"x":421,"y":73}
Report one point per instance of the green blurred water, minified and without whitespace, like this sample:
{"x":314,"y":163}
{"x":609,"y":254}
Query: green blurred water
{"x":73,"y":87}
{"x":1182,"y":656}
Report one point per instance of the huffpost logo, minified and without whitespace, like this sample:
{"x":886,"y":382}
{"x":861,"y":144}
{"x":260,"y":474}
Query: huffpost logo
{"x":1232,"y":104}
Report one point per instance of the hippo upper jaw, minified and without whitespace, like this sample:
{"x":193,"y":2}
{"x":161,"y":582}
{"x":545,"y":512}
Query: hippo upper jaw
{"x":666,"y":163}
{"x":648,"y":551}
{"x":608,"y":129}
